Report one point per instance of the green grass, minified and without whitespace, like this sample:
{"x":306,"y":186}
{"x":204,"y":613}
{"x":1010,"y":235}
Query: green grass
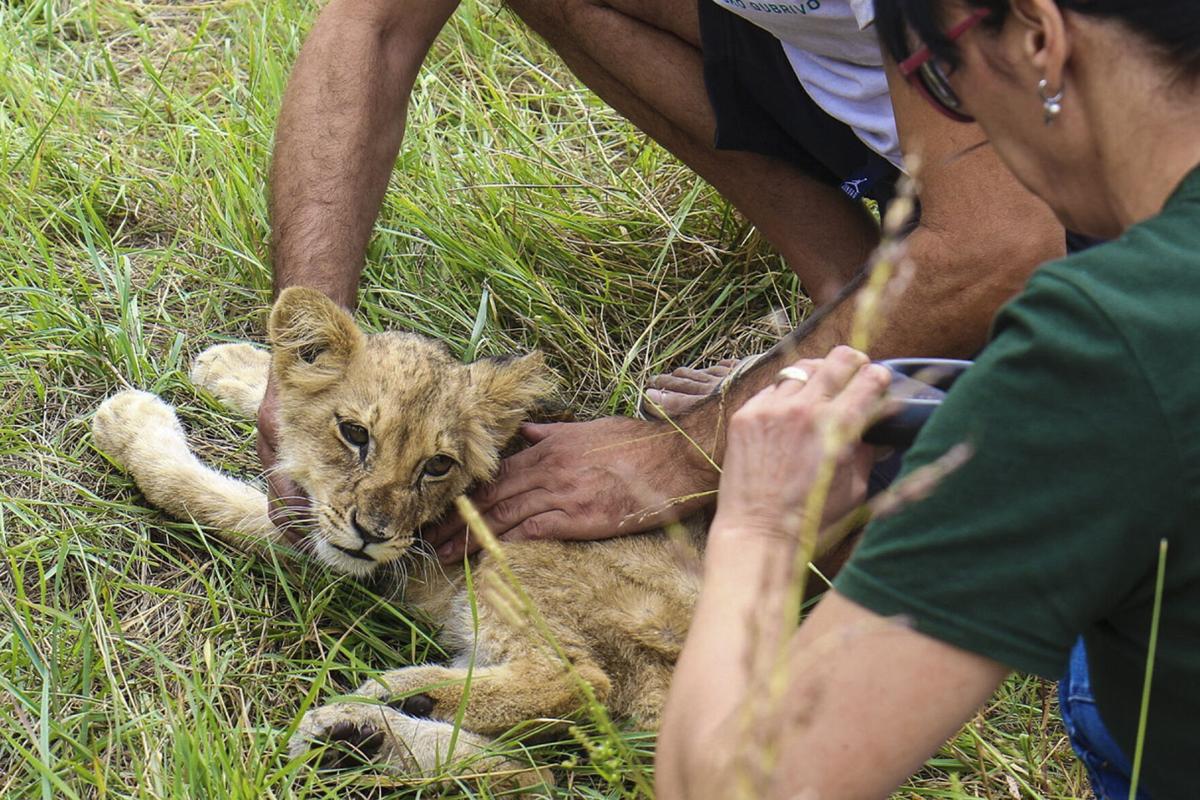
{"x":139,"y":658}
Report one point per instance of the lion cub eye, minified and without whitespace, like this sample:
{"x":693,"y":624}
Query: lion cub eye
{"x":438,"y":466}
{"x":354,"y":434}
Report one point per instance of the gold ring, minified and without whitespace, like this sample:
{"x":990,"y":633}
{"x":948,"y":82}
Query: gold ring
{"x":798,"y":374}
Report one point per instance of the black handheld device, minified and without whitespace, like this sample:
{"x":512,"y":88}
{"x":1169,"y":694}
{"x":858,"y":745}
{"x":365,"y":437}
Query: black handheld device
{"x":919,"y":385}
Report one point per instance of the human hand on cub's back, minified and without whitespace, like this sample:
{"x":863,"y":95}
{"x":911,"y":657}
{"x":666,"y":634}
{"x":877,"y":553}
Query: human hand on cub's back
{"x":586,"y":480}
{"x":288,"y":505}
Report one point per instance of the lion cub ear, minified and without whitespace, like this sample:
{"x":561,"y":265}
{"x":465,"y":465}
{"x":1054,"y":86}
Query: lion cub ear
{"x":312,"y":339}
{"x":505,"y":390}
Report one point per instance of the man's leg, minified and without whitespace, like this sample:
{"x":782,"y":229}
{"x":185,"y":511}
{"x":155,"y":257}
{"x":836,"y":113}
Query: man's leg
{"x":644,"y":59}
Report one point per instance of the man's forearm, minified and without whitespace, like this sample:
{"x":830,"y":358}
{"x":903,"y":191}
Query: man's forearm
{"x":338,"y":134}
{"x":945,"y":312}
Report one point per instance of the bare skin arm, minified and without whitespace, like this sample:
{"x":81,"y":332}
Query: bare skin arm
{"x":868,"y":699}
{"x":338,"y":134}
{"x":979,"y":238}
{"x":864,"y":699}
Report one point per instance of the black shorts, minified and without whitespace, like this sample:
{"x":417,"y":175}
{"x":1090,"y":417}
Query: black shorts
{"x":761,"y":107}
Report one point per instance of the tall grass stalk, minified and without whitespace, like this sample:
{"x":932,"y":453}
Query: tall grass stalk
{"x":1147,"y":682}
{"x":512,"y":601}
{"x":772,"y":668}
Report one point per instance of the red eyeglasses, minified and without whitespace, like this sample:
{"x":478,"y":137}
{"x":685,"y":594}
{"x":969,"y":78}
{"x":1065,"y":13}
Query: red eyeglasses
{"x":929,"y":77}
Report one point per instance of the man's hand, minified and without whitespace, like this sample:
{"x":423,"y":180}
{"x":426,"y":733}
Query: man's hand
{"x":288,"y":504}
{"x":587,"y":480}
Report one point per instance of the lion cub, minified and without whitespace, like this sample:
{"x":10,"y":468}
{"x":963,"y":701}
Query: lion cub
{"x":383,"y":432}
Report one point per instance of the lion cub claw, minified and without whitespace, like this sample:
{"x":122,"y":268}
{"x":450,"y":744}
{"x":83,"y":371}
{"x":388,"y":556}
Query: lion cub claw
{"x":349,"y":745}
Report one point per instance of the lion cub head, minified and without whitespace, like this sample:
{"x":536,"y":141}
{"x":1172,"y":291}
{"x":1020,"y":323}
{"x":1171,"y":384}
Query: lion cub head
{"x":383,"y":431}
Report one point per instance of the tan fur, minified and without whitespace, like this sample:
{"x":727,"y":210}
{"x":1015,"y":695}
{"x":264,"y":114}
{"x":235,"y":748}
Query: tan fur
{"x":619,"y":609}
{"x":236,"y":373}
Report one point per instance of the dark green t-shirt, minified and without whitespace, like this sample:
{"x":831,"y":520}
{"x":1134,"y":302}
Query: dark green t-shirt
{"x":1084,"y":414}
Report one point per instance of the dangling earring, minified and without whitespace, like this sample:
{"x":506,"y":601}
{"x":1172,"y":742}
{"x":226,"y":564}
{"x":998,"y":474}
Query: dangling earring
{"x":1051,"y":103}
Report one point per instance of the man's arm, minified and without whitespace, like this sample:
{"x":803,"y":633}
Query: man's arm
{"x":979,"y":237}
{"x":338,"y":134}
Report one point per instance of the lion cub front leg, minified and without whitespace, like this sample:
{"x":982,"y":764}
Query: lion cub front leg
{"x":143,"y":436}
{"x":235,"y":374}
{"x":496,"y":698}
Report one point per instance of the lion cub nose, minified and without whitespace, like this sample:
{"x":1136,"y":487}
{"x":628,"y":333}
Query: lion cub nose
{"x":368,"y":536}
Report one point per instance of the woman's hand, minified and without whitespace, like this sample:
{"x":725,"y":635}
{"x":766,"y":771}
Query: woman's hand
{"x":779,"y":440}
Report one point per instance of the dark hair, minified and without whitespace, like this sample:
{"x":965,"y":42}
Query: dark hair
{"x":1171,"y":26}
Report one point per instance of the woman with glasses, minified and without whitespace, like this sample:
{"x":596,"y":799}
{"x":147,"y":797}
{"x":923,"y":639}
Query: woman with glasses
{"x":1068,"y":543}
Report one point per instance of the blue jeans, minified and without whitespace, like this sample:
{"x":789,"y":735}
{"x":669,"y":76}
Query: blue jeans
{"x":1108,"y":767}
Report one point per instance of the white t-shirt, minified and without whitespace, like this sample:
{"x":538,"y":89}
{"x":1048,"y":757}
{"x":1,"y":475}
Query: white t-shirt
{"x":837,"y":60}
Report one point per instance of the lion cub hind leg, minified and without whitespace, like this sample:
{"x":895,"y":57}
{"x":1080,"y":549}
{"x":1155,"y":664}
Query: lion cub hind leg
{"x":235,"y":374}
{"x":143,"y":436}
{"x":363,"y":733}
{"x":498,"y":698}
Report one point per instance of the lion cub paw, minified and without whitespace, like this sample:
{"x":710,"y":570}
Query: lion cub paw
{"x":235,"y":374}
{"x":353,"y":734}
{"x":132,"y":423}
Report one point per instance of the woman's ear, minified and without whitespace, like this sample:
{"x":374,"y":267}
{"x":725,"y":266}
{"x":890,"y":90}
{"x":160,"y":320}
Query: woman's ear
{"x":1043,"y":38}
{"x":312,"y":339}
